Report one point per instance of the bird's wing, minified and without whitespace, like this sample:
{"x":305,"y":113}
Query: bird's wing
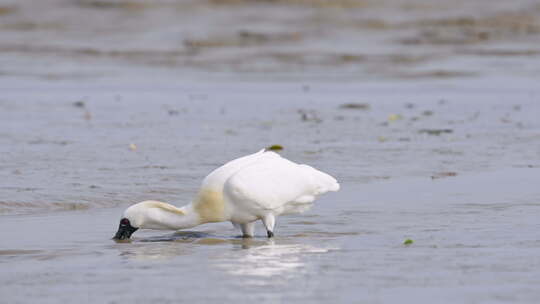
{"x":271,"y":183}
{"x":217,"y":178}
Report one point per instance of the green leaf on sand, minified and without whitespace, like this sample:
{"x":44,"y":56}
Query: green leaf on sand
{"x":408,"y":242}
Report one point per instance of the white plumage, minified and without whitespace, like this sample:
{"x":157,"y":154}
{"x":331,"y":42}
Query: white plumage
{"x":255,"y":187}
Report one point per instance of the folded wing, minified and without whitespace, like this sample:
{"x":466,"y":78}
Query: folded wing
{"x":271,"y":183}
{"x":217,"y":178}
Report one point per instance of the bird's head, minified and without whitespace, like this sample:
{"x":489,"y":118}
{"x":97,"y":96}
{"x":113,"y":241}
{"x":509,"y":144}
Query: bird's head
{"x":152,"y":215}
{"x":131,"y":220}
{"x":125,"y":230}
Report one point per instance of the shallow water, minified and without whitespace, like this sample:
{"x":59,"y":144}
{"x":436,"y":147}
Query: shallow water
{"x":467,"y":198}
{"x":470,"y":246}
{"x":427,"y":114}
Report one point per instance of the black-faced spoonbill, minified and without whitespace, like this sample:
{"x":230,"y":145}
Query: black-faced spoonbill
{"x":260,"y":186}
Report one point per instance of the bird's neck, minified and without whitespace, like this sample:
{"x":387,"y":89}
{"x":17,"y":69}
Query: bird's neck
{"x":163,"y":216}
{"x":159,"y":215}
{"x":189,"y":219}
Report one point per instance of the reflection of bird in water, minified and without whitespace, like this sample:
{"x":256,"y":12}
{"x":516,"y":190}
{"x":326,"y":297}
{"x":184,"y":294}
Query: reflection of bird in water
{"x":259,"y":186}
{"x":268,"y":260}
{"x":165,"y":247}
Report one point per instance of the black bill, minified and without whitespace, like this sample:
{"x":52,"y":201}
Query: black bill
{"x":125,"y":230}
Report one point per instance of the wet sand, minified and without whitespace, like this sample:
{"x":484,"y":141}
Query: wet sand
{"x":131,"y":142}
{"x":427,"y":114}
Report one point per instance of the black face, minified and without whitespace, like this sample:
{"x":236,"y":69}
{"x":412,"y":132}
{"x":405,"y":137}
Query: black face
{"x":125,"y":230}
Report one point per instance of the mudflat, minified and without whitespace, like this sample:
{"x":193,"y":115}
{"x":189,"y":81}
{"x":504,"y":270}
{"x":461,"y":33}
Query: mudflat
{"x":466,"y":198}
{"x":427,"y":114}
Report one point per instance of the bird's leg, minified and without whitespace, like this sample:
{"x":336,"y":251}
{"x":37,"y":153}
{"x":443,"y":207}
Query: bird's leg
{"x":248,"y":229}
{"x":269,"y":221}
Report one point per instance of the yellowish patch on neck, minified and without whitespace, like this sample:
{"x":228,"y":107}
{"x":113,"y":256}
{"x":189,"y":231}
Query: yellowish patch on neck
{"x":165,"y":206}
{"x":209,"y":205}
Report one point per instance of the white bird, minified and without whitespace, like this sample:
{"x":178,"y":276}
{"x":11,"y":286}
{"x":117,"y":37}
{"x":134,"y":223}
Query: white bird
{"x":260,"y":186}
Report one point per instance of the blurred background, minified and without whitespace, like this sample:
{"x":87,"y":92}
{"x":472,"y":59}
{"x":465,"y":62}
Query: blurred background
{"x":349,"y":39}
